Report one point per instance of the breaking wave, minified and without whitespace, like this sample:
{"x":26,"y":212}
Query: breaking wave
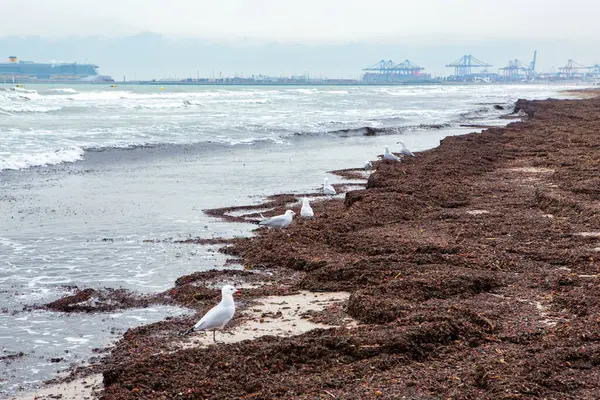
{"x":64,"y":90}
{"x":390,"y":130}
{"x":22,"y":161}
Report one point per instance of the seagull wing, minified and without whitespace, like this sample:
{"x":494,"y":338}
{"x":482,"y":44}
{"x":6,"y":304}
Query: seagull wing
{"x":216,"y":317}
{"x":329,"y":189}
{"x":306,"y":211}
{"x":276,"y":221}
{"x":392,"y":157}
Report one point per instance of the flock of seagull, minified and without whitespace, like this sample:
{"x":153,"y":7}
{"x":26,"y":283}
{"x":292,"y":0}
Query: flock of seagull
{"x":218,"y":316}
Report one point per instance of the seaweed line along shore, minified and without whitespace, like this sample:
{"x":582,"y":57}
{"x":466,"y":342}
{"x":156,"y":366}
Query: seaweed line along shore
{"x":469,"y":271}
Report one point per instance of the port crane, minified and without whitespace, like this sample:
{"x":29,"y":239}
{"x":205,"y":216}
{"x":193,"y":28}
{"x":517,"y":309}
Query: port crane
{"x":463,"y":65}
{"x":389,"y":67}
{"x":516,"y":68}
{"x":570,"y":70}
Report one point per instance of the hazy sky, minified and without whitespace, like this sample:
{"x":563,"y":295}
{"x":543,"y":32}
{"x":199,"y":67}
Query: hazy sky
{"x":306,"y":20}
{"x":182,"y":38}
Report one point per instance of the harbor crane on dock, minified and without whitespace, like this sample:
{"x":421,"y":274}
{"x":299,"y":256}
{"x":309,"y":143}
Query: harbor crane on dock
{"x":514,"y":68}
{"x":382,"y":67}
{"x":389,"y":67}
{"x":517,"y":69}
{"x":570,"y":70}
{"x":532,"y":63}
{"x":462,"y":66}
{"x":390,"y":72}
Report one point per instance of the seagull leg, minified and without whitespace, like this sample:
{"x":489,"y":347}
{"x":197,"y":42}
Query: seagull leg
{"x":215,"y":335}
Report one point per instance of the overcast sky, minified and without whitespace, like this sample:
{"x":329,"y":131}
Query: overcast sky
{"x":306,"y":20}
{"x":282,"y":37}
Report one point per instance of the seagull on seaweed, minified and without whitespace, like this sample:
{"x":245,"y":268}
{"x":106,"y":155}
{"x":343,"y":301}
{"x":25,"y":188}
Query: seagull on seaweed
{"x":278,"y":221}
{"x":368,"y":166}
{"x":405,"y":151}
{"x":328,"y":189}
{"x":390,"y":156}
{"x":306,"y":211}
{"x":218,"y":316}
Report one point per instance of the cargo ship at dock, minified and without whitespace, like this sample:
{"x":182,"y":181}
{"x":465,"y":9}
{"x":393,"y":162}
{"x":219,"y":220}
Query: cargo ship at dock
{"x":19,"y":71}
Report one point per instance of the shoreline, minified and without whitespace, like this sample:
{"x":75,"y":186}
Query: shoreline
{"x":430,"y":253}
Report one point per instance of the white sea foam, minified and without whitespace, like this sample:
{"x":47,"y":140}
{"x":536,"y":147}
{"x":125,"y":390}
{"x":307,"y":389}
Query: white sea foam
{"x":20,"y":161}
{"x":27,"y":108}
{"x":64,"y":90}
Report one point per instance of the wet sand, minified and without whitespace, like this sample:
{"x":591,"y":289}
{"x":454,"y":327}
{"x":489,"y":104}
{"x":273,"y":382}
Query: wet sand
{"x":471,"y":270}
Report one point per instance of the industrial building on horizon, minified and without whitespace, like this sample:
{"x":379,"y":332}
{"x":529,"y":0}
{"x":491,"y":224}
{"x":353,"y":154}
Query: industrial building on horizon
{"x":467,"y":69}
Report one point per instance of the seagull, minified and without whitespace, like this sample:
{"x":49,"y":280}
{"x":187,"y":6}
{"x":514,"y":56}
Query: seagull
{"x":389,"y":156}
{"x":278,"y":221}
{"x":306,"y":211}
{"x":327,"y":188}
{"x":405,"y":151}
{"x":368,"y":166}
{"x":218,"y":316}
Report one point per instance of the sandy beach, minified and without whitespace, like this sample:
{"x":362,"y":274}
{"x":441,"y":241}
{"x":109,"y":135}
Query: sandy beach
{"x":467,"y":272}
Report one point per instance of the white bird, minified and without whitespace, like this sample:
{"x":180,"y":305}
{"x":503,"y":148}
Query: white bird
{"x":306,"y":211}
{"x":368,"y":166}
{"x":327,"y":188}
{"x":405,"y":151}
{"x":218,"y":316}
{"x":389,"y":156}
{"x":279,"y":221}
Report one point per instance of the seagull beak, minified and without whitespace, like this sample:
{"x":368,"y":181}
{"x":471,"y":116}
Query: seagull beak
{"x":238,"y":292}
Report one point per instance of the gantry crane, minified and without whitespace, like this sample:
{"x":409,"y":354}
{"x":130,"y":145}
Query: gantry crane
{"x":389,"y":67}
{"x":463,"y":65}
{"x":570,"y":70}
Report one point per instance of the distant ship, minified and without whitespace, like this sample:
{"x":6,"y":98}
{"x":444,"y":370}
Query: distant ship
{"x":16,"y":71}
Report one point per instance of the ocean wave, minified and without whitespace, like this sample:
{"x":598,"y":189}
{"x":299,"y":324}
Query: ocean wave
{"x":68,"y":100}
{"x":305,"y":91}
{"x":377,"y":131}
{"x":64,"y":90}
{"x":169,"y":137}
{"x":489,"y":111}
{"x":282,"y":137}
{"x":22,"y":161}
{"x":217,"y":142}
{"x":17,"y":90}
{"x":20,"y":94}
{"x":120,"y":94}
{"x":27,"y":109}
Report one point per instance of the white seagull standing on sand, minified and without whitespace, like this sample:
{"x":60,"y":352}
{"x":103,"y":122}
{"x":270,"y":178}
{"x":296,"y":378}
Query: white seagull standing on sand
{"x":278,"y":221}
{"x":306,"y":211}
{"x":218,"y":316}
{"x":327,"y":188}
{"x":405,"y":151}
{"x":389,"y":156}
